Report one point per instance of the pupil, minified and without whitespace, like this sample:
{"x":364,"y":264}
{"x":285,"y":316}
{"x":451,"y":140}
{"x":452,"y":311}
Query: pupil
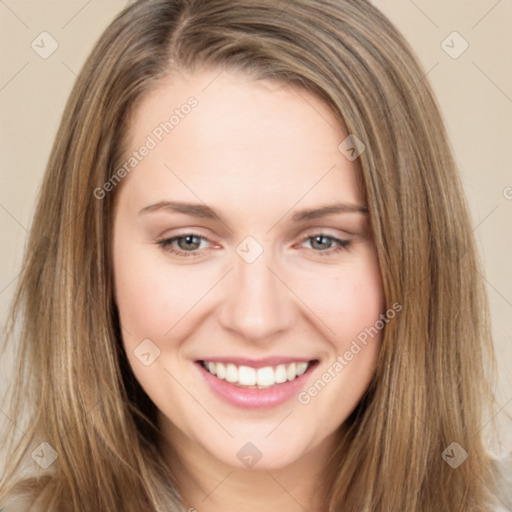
{"x":189,"y":239}
{"x":320,"y":237}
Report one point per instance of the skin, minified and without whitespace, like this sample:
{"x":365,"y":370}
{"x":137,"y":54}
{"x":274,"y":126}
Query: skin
{"x":255,"y":152}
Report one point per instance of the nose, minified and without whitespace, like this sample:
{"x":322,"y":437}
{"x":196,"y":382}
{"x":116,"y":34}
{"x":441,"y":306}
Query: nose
{"x":258,"y":304}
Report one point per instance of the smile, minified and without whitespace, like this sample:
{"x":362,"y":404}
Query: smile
{"x":256,"y":378}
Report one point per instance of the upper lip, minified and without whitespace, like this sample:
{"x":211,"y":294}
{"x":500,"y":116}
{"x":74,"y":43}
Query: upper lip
{"x":257,"y":363}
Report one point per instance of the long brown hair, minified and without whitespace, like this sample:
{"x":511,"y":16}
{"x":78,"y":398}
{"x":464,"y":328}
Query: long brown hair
{"x":73,"y":382}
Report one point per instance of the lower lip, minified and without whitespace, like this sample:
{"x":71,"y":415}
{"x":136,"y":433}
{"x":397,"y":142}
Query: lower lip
{"x":248,"y":398}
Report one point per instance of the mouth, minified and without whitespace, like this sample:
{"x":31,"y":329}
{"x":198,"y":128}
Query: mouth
{"x":263,"y":377}
{"x":250,"y":384}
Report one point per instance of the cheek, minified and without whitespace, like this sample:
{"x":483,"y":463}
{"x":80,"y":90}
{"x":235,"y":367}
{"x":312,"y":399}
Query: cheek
{"x":361,"y":305}
{"x":151,"y":296}
{"x":353,"y":304}
{"x":349,"y":300}
{"x":139,"y":301}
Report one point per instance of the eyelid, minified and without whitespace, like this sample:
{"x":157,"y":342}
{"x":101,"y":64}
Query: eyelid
{"x":340,"y":243}
{"x":315,"y":231}
{"x":167,"y":240}
{"x":310,"y":232}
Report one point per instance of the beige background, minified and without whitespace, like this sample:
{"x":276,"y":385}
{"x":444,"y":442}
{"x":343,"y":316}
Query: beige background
{"x":474,"y":91}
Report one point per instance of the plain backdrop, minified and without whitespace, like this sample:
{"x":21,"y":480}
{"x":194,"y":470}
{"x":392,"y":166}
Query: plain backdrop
{"x":464,"y":47}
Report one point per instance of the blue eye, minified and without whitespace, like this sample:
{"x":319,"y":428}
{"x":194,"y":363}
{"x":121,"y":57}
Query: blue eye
{"x":187,"y":245}
{"x":335,"y":244}
{"x":191,"y":240}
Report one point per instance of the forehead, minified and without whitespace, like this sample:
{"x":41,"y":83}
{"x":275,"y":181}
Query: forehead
{"x":223,"y":134}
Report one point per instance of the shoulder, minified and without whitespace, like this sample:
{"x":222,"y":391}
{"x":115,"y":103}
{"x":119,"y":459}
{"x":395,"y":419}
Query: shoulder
{"x":502,"y":470}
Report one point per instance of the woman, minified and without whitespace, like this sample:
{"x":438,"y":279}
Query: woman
{"x":258,"y":368}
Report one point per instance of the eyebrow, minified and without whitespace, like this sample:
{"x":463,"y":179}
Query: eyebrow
{"x":205,"y":212}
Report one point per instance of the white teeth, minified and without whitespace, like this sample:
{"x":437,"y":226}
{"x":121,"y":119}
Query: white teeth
{"x":265,"y":376}
{"x":301,"y":368}
{"x":280,"y":375}
{"x":246,"y":376}
{"x":231,"y":373}
{"x":221,"y":371}
{"x":292,"y":371}
{"x":261,"y":377}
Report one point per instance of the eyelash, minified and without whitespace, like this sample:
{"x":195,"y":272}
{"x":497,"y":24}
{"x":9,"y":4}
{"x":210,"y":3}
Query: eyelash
{"x":166,"y":244}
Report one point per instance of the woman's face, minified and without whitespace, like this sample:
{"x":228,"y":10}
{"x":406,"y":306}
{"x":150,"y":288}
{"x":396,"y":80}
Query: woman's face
{"x":254,"y":283}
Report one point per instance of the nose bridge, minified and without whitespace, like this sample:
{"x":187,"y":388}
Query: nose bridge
{"x":257,"y":304}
